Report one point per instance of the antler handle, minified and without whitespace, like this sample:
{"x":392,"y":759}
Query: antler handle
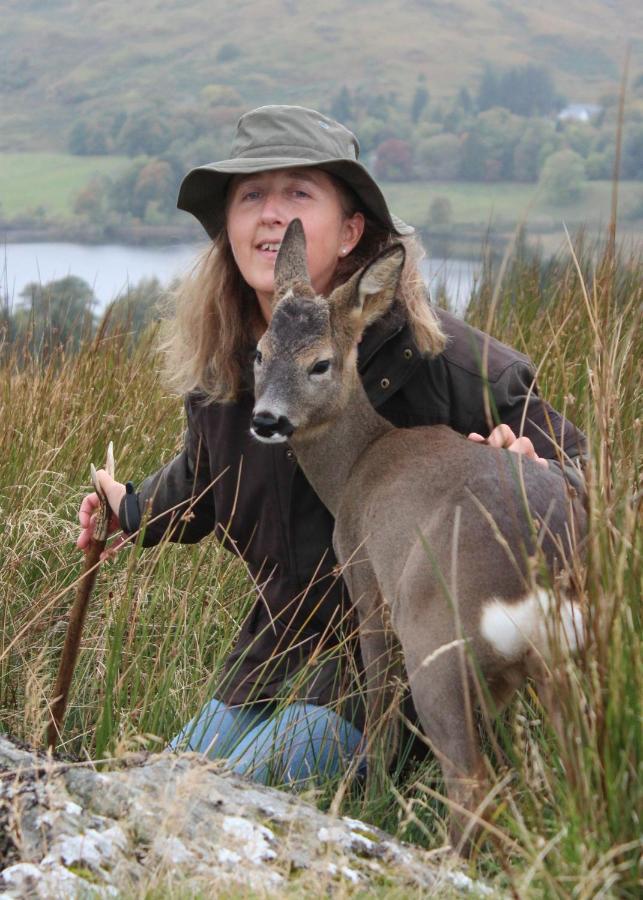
{"x":81,"y":604}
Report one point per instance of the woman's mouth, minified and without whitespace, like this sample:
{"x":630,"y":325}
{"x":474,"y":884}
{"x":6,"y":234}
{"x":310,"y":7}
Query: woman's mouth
{"x":269,"y":248}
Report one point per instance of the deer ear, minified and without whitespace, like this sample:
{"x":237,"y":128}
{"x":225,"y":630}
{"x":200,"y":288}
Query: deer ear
{"x":291,"y":268}
{"x":377,"y":285}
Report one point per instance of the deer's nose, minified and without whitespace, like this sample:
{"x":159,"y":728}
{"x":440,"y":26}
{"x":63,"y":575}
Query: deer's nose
{"x":267,"y":425}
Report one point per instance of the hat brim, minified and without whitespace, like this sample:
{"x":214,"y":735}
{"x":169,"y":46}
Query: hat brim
{"x":203,"y":190}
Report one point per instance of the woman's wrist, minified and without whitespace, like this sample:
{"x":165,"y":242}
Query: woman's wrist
{"x":129,"y":515}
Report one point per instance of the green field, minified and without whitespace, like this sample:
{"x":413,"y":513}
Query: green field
{"x":49,"y":181}
{"x":505,"y":204}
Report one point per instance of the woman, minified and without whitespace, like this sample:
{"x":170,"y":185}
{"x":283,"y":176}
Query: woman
{"x":286,"y":706}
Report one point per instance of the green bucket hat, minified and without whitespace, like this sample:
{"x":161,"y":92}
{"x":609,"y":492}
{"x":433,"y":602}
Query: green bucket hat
{"x":283,"y":137}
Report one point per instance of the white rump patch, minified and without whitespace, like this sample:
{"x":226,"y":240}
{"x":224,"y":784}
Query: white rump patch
{"x":536,"y":621}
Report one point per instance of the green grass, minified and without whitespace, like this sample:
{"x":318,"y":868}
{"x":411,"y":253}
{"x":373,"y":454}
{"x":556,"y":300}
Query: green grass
{"x":503,"y":205}
{"x":162,"y":620}
{"x":49,"y":181}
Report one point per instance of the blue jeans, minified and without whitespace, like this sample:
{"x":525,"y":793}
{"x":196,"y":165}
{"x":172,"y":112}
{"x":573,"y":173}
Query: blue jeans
{"x":295,"y":745}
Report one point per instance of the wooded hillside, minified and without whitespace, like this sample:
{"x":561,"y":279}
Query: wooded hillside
{"x":62,"y":61}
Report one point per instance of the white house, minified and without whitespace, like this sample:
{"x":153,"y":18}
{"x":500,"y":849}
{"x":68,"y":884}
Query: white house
{"x":579,"y":112}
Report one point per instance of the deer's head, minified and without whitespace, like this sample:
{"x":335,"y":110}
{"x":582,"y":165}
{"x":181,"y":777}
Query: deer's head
{"x":306,"y":361}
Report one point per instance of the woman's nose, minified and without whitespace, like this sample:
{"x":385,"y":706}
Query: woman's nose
{"x":272,"y":210}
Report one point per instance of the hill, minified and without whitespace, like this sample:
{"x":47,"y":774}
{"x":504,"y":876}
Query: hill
{"x":62,"y":61}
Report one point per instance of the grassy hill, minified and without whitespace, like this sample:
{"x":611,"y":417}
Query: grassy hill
{"x":62,"y":60}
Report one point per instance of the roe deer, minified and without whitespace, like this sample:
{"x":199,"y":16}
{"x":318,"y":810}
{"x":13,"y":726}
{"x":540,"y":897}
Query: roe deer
{"x":438,"y":536}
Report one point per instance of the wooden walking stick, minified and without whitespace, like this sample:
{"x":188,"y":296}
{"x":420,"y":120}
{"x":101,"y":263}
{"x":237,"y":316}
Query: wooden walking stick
{"x":81,"y":603}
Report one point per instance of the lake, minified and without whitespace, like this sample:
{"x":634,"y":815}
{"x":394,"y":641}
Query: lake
{"x":110,"y":268}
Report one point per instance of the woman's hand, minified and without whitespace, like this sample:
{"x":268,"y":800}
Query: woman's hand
{"x":503,"y":436}
{"x":114,"y":491}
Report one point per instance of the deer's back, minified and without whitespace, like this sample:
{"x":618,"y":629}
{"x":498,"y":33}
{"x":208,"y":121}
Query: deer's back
{"x":418,"y":493}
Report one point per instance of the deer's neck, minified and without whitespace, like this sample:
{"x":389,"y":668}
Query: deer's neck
{"x":327,"y":456}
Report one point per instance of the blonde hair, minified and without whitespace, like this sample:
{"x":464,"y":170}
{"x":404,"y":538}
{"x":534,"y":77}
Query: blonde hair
{"x":217,"y":321}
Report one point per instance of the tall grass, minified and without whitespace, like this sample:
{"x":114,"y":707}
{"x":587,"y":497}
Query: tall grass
{"x":567,"y":820}
{"x":574,"y":806}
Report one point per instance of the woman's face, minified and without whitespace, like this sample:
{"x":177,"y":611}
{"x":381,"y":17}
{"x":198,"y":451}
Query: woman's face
{"x":259,"y":210}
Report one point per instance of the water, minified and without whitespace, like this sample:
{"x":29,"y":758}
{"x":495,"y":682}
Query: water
{"x":457,"y":276}
{"x":110,"y":268}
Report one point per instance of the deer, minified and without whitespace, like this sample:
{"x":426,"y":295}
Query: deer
{"x":449,"y":548}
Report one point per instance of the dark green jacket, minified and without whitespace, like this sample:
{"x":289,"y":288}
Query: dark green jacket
{"x":257,"y":501}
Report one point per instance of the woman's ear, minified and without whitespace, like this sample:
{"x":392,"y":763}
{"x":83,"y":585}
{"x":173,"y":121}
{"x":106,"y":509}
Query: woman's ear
{"x":352,"y":231}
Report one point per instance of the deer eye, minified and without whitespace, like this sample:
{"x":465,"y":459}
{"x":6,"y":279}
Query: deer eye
{"x":323,"y":365}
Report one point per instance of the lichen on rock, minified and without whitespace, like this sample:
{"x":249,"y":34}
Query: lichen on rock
{"x":159,"y":822}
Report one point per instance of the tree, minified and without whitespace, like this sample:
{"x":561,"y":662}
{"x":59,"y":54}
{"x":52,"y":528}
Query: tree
{"x":472,"y":162}
{"x":538,"y":141}
{"x":440,"y":212}
{"x":563,"y":177}
{"x":91,"y":200}
{"x":599,"y":166}
{"x":121,"y":192}
{"x":89,"y":139}
{"x":524,"y":90}
{"x":154,"y":184}
{"x":420,"y":100}
{"x":394,"y":160}
{"x":56,"y":314}
{"x":341,"y":107}
{"x":439,"y":158}
{"x":7,"y":324}
{"x":528,"y":91}
{"x":488,"y":147}
{"x":464,"y":101}
{"x":371,"y":134}
{"x":136,"y":307}
{"x":147,"y":181}
{"x":144,"y":133}
{"x":488,"y":92}
{"x":632,"y":160}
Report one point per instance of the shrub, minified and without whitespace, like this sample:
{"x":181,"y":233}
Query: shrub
{"x":563,"y":177}
{"x":394,"y":160}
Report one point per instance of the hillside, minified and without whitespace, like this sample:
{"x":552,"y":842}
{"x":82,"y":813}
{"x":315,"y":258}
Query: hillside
{"x":64,"y":60}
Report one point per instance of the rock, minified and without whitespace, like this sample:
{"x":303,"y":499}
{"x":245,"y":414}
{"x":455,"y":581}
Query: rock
{"x":163,"y":822}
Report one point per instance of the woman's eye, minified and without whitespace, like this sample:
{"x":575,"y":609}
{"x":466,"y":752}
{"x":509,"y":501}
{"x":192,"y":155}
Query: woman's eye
{"x":320,"y":367}
{"x":256,"y":356}
{"x":250,"y":195}
{"x":300,"y":193}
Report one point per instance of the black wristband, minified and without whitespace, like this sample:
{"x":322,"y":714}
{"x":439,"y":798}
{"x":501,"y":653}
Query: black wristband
{"x":129,"y":516}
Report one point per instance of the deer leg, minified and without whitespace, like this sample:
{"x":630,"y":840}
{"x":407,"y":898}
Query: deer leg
{"x":382,"y":669}
{"x":443,"y":705}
